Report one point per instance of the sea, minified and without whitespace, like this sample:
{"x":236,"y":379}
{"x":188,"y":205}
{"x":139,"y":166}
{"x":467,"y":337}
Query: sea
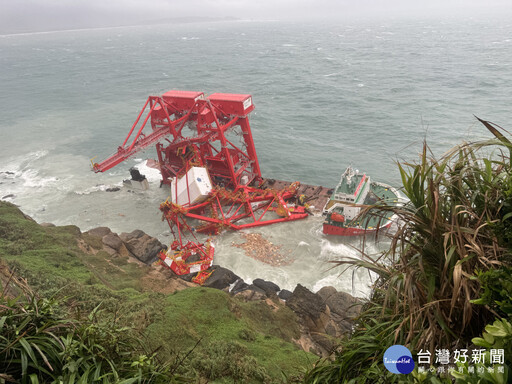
{"x":365,"y":92}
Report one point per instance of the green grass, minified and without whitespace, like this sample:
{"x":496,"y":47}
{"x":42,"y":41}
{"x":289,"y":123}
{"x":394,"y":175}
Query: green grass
{"x":213,"y":317}
{"x":236,"y":338}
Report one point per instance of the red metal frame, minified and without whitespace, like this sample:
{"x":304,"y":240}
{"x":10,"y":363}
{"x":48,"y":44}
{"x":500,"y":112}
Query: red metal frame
{"x":207,"y":143}
{"x":225,"y":209}
{"x":211,"y":119}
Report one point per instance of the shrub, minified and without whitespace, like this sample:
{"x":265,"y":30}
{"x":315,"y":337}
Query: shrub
{"x":457,"y":221}
{"x":39,"y":344}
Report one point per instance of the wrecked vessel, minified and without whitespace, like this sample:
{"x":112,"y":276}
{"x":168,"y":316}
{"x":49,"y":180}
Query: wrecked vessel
{"x":345,"y":211}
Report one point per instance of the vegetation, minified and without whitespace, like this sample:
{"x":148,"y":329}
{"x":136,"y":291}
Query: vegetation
{"x":88,"y":315}
{"x":447,"y":273}
{"x":38,"y":345}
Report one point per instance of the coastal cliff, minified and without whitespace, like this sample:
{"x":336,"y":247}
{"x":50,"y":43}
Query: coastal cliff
{"x":279,"y":331}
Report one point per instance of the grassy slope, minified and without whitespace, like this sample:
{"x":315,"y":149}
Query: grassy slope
{"x":53,"y":263}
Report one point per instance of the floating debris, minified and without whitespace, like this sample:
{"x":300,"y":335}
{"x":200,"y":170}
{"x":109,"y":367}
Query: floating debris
{"x":259,"y":248}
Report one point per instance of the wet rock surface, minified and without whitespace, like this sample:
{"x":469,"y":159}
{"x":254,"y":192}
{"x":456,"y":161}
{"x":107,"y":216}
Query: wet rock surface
{"x":221,"y":278}
{"x":142,"y":246}
{"x":99,"y":231}
{"x":240,"y":285}
{"x":324,"y":316}
{"x":252,"y":293}
{"x":267,"y":286}
{"x":284,"y":294}
{"x":135,"y":244}
{"x":112,"y":240}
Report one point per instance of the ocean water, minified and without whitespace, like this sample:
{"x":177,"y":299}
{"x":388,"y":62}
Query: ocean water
{"x":326,"y":95}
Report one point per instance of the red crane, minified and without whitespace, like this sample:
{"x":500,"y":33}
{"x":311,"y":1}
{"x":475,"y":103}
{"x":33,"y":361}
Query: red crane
{"x":209,"y":159}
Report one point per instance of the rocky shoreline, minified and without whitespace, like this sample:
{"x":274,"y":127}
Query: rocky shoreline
{"x":324,"y":316}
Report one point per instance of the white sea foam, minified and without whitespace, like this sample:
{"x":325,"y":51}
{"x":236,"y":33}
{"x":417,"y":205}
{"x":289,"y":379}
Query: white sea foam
{"x":23,"y":173}
{"x":31,"y":179}
{"x":98,"y":188}
{"x":153,"y":175}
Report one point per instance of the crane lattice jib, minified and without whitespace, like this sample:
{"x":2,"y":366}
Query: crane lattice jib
{"x":190,"y":121}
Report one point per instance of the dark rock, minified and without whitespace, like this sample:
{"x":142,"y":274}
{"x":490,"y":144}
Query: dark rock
{"x":343,"y":306}
{"x":310,"y":307}
{"x":112,"y":189}
{"x":284,"y":294}
{"x":221,"y":278}
{"x":269,"y":287}
{"x":252,"y":293}
{"x":9,"y":196}
{"x":326,"y":292}
{"x":132,"y":235}
{"x":136,"y":175}
{"x":112,"y":240}
{"x":304,"y":302}
{"x":326,"y":342}
{"x":256,"y":289}
{"x":188,"y":277}
{"x":99,"y":232}
{"x":142,"y":246}
{"x":331,"y":329}
{"x":240,"y":285}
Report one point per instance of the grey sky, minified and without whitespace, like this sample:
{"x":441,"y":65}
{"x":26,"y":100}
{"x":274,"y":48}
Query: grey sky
{"x":35,"y":15}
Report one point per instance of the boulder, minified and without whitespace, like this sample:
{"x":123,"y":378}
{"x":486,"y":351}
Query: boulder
{"x":252,"y":293}
{"x":112,"y":240}
{"x":221,"y":278}
{"x":326,"y":292}
{"x":344,"y":305}
{"x":344,"y":309}
{"x":284,"y":294}
{"x":310,"y":307}
{"x":325,"y":344}
{"x":240,"y":285}
{"x":132,"y":235}
{"x":269,"y":287}
{"x":142,"y":246}
{"x":99,"y":231}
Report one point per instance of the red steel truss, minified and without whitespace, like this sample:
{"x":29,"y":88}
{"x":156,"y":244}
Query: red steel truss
{"x":200,"y":131}
{"x":195,"y":125}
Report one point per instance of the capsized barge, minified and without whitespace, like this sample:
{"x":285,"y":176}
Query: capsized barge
{"x":345,"y":211}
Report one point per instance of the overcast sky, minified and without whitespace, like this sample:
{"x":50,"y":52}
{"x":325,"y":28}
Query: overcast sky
{"x":36,"y":15}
